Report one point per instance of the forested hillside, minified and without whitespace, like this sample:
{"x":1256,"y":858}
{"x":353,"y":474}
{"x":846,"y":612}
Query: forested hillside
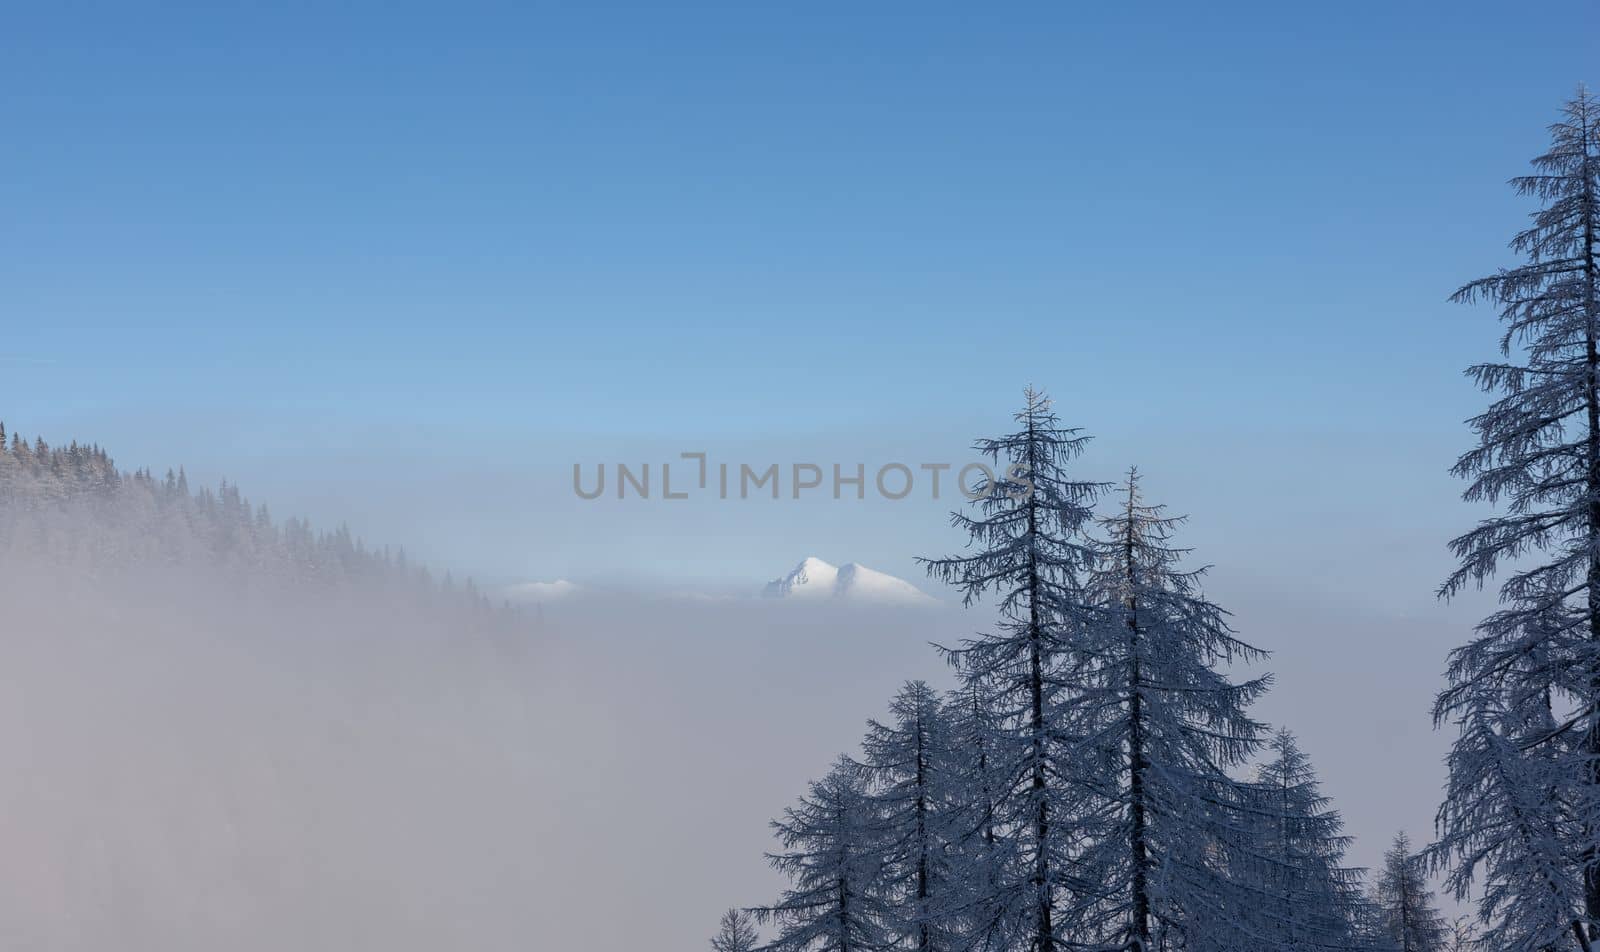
{"x":72,"y":505}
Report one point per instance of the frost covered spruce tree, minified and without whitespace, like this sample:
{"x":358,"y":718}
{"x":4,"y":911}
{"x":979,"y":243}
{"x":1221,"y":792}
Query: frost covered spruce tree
{"x":1307,"y":897}
{"x":978,"y":855}
{"x":1407,"y":919}
{"x":1030,"y":555}
{"x":736,"y":932}
{"x":1162,"y":726}
{"x":835,"y":901}
{"x":1505,"y":811}
{"x":1523,"y":801}
{"x":1513,"y":771}
{"x":909,"y":766}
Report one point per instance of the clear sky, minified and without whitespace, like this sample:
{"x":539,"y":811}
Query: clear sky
{"x":403,"y":265}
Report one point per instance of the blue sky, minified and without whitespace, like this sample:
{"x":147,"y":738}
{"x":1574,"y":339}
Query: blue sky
{"x":402,"y":266}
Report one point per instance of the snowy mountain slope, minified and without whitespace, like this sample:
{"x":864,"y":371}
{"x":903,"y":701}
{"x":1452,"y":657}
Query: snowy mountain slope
{"x":815,"y":579}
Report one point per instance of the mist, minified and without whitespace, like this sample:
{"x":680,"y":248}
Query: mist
{"x":201,"y":759}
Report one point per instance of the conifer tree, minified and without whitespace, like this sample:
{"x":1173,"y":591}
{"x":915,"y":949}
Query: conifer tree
{"x":1161,"y":726}
{"x":1513,"y":769}
{"x":908,"y":764}
{"x":979,"y":855}
{"x":1308,"y":898}
{"x":1407,"y":918}
{"x":736,"y":932}
{"x":1030,"y":557}
{"x":835,"y":902}
{"x":1538,"y":457}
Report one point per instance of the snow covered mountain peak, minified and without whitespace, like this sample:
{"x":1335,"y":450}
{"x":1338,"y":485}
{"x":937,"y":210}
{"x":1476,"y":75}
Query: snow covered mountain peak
{"x":812,"y":578}
{"x":815,"y":579}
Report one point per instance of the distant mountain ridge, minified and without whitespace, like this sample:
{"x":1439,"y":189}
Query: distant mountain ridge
{"x":815,"y":579}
